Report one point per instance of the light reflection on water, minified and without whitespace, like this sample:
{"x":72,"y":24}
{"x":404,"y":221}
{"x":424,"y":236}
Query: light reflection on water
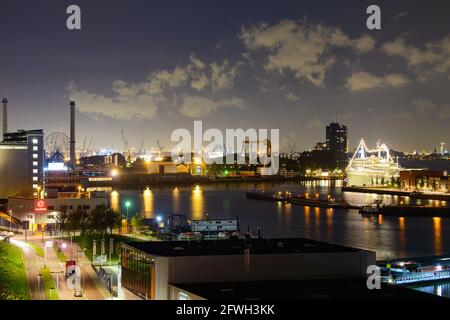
{"x":439,"y":289}
{"x":391,"y":237}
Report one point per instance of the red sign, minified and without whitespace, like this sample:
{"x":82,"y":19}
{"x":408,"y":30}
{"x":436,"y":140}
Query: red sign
{"x":40,"y":205}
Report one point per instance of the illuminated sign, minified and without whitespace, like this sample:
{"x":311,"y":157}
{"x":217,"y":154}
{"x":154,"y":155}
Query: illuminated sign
{"x":56,"y":166}
{"x":40,"y":205}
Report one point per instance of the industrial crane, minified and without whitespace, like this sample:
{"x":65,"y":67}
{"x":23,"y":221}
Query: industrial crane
{"x":126,"y":149}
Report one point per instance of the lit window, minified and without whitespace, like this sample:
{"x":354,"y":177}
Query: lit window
{"x":35,"y":178}
{"x":35,"y":163}
{"x":35,"y":141}
{"x":35,"y":186}
{"x":35,"y":155}
{"x":35,"y":171}
{"x":35,"y":148}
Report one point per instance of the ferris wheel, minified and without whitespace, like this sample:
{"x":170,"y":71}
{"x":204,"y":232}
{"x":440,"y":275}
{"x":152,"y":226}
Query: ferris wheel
{"x":56,"y":142}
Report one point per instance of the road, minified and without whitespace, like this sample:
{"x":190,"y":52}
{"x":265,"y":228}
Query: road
{"x":93,"y":288}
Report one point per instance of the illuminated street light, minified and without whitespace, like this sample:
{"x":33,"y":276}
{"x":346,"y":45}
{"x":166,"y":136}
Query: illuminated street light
{"x":127,"y":205}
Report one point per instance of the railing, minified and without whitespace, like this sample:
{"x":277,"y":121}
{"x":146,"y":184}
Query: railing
{"x":422,"y":276}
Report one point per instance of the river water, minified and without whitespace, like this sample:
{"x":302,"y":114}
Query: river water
{"x":390,"y":237}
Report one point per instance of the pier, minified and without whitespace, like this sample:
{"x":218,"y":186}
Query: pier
{"x":400,"y":193}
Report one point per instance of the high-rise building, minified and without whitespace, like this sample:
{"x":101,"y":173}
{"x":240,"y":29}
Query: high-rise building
{"x":21,"y":163}
{"x":336,"y":137}
{"x":337,"y":143}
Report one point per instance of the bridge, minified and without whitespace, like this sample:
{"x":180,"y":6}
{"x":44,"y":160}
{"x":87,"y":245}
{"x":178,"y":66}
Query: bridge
{"x":415,"y":270}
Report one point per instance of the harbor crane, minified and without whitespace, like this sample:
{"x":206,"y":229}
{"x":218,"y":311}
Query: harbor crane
{"x":126,"y":149}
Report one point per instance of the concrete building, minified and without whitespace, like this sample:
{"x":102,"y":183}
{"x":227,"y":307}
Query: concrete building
{"x":425,"y":180}
{"x":336,"y":138}
{"x":21,"y":163}
{"x":158,"y":270}
{"x":42,"y":214}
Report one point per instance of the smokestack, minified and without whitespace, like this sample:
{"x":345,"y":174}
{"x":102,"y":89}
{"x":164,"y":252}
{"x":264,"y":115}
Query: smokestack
{"x":72,"y":134}
{"x":5,"y":115}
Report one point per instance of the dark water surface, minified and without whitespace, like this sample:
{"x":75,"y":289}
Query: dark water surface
{"x":390,"y":237}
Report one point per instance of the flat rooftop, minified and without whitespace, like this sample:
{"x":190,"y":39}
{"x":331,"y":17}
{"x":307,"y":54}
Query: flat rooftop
{"x":236,"y":247}
{"x":346,"y":289}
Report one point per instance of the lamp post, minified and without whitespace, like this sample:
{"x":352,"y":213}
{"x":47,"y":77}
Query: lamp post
{"x":127,"y":205}
{"x":10,"y":220}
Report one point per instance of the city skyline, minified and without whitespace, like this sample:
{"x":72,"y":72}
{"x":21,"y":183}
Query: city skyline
{"x":134,"y":66}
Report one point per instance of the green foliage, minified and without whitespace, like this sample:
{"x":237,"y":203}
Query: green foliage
{"x":60,"y":254}
{"x":13,"y":277}
{"x":37,"y":249}
{"x":49,"y":286}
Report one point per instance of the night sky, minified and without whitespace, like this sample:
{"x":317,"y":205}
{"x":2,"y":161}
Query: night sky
{"x":149,"y":67}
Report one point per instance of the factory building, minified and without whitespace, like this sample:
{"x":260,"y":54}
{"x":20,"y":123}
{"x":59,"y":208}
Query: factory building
{"x":166,"y":269}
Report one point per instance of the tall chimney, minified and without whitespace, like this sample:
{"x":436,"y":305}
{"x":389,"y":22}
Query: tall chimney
{"x":5,"y":115}
{"x":72,"y":134}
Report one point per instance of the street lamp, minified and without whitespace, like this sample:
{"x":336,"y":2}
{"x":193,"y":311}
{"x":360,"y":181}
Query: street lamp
{"x":10,"y":220}
{"x":127,"y":205}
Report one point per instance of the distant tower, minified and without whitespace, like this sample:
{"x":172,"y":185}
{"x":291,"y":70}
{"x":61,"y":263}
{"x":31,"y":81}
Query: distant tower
{"x":5,"y":115}
{"x":72,"y":134}
{"x":442,"y":148}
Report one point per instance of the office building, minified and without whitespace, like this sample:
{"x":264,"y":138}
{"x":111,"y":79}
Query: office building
{"x":21,"y":163}
{"x":336,"y":138}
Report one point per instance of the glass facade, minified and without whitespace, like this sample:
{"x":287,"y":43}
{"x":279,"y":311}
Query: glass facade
{"x":137,"y":272}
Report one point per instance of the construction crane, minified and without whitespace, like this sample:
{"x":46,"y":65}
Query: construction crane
{"x":125,"y":145}
{"x":161,"y":148}
{"x":141,"y":148}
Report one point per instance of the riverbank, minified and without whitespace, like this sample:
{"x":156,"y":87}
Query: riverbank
{"x":148,"y":180}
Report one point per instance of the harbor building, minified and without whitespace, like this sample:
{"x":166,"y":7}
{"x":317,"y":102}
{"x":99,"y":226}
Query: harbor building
{"x":161,"y":270}
{"x":21,"y":163}
{"x":372,"y":167}
{"x":425,"y":180}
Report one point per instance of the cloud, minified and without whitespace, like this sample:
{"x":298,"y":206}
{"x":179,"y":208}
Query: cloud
{"x":198,"y":106}
{"x":434,"y":57}
{"x":444,"y":113}
{"x":222,"y":75}
{"x":292,"y":97}
{"x":314,"y":123}
{"x":360,"y":81}
{"x":423,"y":106}
{"x":160,"y":90}
{"x":199,"y":64}
{"x":125,"y":105}
{"x":301,"y":47}
{"x":200,"y":83}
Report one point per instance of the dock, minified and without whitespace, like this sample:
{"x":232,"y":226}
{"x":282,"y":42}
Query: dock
{"x":410,"y":211}
{"x":286,"y":197}
{"x":400,"y":193}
